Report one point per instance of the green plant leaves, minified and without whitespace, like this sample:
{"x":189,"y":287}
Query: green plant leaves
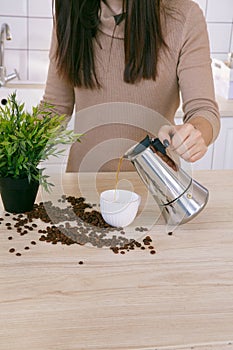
{"x":26,"y":139}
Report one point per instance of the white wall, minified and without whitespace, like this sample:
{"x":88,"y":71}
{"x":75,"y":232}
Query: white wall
{"x":31,"y":22}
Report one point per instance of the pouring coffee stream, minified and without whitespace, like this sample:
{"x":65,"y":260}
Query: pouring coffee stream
{"x":179,"y":197}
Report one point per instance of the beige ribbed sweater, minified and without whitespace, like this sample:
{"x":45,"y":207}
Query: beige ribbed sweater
{"x":120,"y":114}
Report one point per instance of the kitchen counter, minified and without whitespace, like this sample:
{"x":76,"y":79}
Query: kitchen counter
{"x":179,"y":298}
{"x":225,"y":108}
{"x":36,"y":89}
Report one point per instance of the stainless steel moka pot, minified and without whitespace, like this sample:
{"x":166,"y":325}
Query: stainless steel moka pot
{"x":179,"y":197}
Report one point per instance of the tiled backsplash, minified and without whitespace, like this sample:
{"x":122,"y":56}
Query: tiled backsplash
{"x":30,"y":22}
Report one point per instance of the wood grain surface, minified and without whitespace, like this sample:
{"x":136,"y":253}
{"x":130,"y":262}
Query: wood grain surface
{"x":179,"y":298}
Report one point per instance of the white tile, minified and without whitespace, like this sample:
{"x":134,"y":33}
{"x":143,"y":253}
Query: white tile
{"x":219,"y":11}
{"x":219,"y":34}
{"x":13,"y":7}
{"x":231,"y":48}
{"x":15,"y":59}
{"x":18,"y":29}
{"x":41,"y":8}
{"x":202,"y":4}
{"x":38,"y":66}
{"x":40,"y":33}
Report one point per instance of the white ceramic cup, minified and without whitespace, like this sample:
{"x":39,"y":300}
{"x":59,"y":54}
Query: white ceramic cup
{"x":119,"y":207}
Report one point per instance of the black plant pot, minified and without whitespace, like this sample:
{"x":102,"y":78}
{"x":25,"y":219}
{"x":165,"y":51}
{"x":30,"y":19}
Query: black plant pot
{"x":18,"y":195}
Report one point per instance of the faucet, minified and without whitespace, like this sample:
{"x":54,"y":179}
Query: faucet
{"x":4,"y":78}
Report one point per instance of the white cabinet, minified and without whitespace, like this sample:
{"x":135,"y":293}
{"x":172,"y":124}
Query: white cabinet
{"x":223,"y":146}
{"x":205,"y":162}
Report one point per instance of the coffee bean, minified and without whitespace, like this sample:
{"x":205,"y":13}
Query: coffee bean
{"x":82,"y":225}
{"x":170,"y":233}
{"x":18,"y":254}
{"x":80,"y":262}
{"x":12,"y":250}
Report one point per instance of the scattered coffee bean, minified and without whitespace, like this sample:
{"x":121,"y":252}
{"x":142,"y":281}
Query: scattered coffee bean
{"x":80,"y":262}
{"x":170,"y":233}
{"x":18,"y":254}
{"x":79,"y":224}
{"x":115,"y":250}
{"x":7,"y":214}
{"x":10,"y":238}
{"x":12,"y":250}
{"x":152,"y":251}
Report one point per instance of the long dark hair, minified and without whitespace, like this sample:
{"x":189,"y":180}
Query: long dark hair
{"x":76,"y":26}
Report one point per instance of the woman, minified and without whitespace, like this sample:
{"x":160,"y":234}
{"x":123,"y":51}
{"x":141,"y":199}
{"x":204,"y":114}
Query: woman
{"x":142,"y":52}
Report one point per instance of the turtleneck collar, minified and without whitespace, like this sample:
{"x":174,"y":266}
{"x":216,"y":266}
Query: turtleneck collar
{"x":111,"y":21}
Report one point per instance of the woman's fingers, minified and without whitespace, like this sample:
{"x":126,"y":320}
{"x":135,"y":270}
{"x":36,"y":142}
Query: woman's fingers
{"x":185,"y":140}
{"x":166,"y":133}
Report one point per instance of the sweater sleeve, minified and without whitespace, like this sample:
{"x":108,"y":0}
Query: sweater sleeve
{"x":58,"y":92}
{"x":195,"y":73}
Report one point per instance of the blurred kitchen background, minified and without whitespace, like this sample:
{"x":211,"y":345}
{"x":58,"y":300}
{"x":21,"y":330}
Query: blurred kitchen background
{"x":30,"y":22}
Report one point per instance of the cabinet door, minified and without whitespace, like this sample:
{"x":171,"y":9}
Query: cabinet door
{"x":223,"y":146}
{"x":205,"y":163}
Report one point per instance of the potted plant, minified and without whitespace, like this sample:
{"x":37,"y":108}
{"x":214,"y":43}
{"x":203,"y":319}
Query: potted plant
{"x":26,"y":140}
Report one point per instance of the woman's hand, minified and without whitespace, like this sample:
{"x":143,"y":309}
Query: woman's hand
{"x":186,"y":140}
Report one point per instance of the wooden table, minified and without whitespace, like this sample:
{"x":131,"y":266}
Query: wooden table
{"x":179,"y":298}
